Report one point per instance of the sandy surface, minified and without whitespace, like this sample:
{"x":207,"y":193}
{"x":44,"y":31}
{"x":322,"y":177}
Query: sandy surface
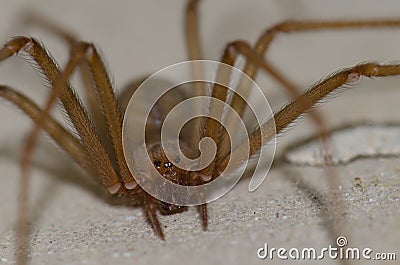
{"x":74,"y":222}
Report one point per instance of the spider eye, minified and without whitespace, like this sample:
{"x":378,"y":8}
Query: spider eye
{"x":157,"y":163}
{"x":167,"y":164}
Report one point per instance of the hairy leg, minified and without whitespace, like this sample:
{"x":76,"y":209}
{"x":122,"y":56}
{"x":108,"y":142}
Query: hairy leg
{"x":264,"y":41}
{"x":106,"y":173}
{"x":302,"y":104}
{"x":63,"y":138}
{"x":252,"y":65}
{"x":94,"y":150}
{"x":32,"y":19}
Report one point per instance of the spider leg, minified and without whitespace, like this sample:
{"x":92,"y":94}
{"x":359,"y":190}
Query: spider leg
{"x":203,"y":216}
{"x":108,"y":104}
{"x":262,"y":46}
{"x":59,"y":82}
{"x":260,"y":62}
{"x":150,"y":211}
{"x":72,"y":40}
{"x":268,"y":36}
{"x":220,"y":136}
{"x":94,"y":150}
{"x":298,"y":26}
{"x":195,"y":53}
{"x":83,"y":52}
{"x":333,"y":178}
{"x":111,"y":111}
{"x":194,"y":49}
{"x":63,"y":138}
{"x":195,"y":179}
{"x":192,"y":30}
{"x":212,"y":128}
{"x":302,"y":104}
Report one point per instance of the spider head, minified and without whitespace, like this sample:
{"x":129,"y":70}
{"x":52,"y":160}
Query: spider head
{"x":171,"y":171}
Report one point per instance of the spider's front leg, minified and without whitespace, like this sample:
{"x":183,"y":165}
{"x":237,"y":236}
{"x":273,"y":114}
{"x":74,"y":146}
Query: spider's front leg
{"x":112,"y":175}
{"x":89,"y":152}
{"x":104,"y":109}
{"x":96,"y":156}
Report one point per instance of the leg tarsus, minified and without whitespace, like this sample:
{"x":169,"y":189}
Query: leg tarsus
{"x":150,"y":211}
{"x":203,"y":216}
{"x":197,"y":180}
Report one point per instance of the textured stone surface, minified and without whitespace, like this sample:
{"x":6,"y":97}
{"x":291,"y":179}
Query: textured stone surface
{"x":372,"y":141}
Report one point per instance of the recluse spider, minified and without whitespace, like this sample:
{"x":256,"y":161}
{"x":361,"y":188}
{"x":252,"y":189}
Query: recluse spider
{"x":97,"y":147}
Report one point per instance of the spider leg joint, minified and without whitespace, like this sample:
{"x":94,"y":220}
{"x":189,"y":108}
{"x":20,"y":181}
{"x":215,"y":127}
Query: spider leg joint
{"x":353,"y":77}
{"x":114,"y":188}
{"x":130,"y":185}
{"x":89,"y":51}
{"x":28,"y":46}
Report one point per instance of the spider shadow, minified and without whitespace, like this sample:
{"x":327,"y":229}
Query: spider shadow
{"x":62,"y":171}
{"x":321,"y":201}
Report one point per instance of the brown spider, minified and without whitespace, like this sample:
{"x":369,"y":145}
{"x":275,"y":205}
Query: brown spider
{"x":98,"y":149}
